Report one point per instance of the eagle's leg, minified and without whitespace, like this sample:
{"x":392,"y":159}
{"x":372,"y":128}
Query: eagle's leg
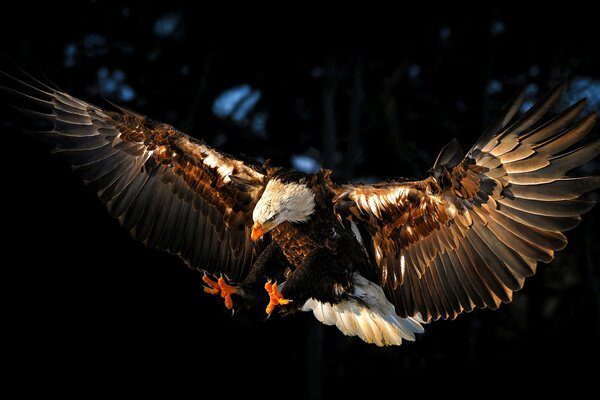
{"x":220,"y":287}
{"x":271,"y":264}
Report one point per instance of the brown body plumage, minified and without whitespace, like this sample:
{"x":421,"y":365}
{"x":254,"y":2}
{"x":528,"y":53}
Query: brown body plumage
{"x":297,"y":241}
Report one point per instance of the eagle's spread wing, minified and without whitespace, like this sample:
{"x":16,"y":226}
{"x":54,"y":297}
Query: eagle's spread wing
{"x":468,"y":235}
{"x":170,"y":191}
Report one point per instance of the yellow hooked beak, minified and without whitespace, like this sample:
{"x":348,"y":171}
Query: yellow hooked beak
{"x":258,"y":230}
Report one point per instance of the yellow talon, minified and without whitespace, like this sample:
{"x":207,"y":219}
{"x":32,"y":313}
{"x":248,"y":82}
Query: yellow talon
{"x":220,"y":287}
{"x":275,"y":297}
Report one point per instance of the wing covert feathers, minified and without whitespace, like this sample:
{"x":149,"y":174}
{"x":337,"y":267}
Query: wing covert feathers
{"x":468,"y":235}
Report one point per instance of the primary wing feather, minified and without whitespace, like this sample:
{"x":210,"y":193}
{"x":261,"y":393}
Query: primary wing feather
{"x":169,"y":190}
{"x":468,"y":235}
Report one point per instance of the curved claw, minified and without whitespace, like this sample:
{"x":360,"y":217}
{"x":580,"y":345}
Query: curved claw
{"x":275,"y":297}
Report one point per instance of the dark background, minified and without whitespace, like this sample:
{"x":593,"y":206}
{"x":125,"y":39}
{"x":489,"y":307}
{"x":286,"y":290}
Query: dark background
{"x":371,"y":96}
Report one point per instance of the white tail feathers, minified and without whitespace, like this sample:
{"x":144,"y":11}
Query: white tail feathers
{"x":368,"y":314}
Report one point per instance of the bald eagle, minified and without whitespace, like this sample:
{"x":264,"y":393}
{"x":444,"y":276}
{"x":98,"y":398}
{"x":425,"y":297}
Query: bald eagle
{"x":376,"y":260}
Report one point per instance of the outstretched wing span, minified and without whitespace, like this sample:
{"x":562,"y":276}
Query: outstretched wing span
{"x":169,"y":190}
{"x":469,"y":234}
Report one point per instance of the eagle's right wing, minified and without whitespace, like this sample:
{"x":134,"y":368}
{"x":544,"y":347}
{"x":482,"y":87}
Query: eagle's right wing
{"x":170,"y":191}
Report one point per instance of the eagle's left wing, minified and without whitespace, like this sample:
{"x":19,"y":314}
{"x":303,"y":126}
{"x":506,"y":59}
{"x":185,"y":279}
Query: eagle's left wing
{"x":469,"y":234}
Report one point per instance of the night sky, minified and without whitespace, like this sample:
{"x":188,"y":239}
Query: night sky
{"x":89,"y":310}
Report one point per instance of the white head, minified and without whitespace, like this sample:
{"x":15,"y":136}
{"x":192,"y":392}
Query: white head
{"x":280,"y":202}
